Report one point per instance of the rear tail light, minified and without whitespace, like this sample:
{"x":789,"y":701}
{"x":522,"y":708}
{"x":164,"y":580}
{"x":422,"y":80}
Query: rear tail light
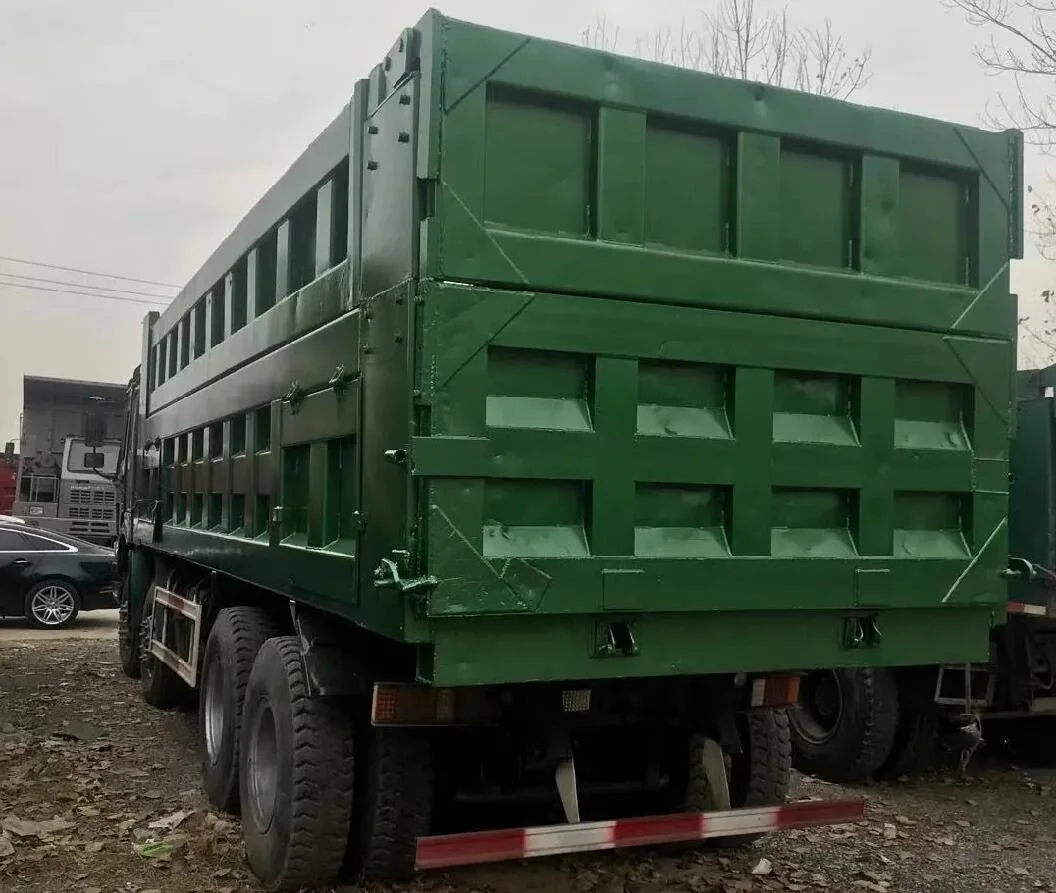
{"x":397,"y":704}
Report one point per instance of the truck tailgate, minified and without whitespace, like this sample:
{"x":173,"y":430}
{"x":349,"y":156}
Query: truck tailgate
{"x":712,"y":362}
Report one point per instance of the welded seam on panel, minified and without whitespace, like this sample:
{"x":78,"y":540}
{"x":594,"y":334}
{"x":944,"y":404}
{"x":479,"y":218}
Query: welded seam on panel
{"x":971,"y":374}
{"x":500,"y":575}
{"x":975,"y":559}
{"x":982,"y":170}
{"x":979,"y":295}
{"x":488,"y":339}
{"x":487,"y":233}
{"x":465,"y":539}
{"x":488,"y":74}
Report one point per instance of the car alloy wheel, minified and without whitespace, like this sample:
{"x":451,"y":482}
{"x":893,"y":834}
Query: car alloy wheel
{"x":53,"y":605}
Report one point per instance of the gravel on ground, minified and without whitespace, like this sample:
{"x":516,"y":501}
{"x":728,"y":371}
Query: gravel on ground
{"x":100,"y":794}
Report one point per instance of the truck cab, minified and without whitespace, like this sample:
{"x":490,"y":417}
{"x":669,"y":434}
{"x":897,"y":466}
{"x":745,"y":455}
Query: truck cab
{"x":76,"y":497}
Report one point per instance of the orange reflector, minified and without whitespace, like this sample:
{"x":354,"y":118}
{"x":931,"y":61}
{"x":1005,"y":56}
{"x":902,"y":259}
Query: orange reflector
{"x":775,"y":691}
{"x":414,"y":705}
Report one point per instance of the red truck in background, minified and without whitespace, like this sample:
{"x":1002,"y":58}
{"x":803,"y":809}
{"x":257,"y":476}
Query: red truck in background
{"x":8,"y":478}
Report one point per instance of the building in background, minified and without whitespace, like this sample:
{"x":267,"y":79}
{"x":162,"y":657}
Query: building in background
{"x":70,"y":439}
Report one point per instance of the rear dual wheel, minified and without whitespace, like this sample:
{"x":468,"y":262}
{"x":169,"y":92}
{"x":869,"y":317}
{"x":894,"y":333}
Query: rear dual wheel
{"x":323,"y":792}
{"x":127,"y":636}
{"x":917,"y":731}
{"x":236,"y":637}
{"x":844,"y":727}
{"x":757,"y":776}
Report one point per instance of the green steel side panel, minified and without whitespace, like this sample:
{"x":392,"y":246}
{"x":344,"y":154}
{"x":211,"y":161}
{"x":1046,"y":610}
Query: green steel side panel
{"x":498,"y":650}
{"x":1034,"y":382}
{"x":561,"y":169}
{"x":256,"y":474}
{"x":594,"y":457}
{"x":1032,"y":509}
{"x":313,"y":306}
{"x":325,"y":154}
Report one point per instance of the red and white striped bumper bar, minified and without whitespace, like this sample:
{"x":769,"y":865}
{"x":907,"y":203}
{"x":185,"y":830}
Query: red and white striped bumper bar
{"x":477,"y":848}
{"x":1028,"y":609}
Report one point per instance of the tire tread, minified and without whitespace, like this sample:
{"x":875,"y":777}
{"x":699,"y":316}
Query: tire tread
{"x":162,"y":688}
{"x":855,"y":753}
{"x":128,"y":641}
{"x":918,"y":726}
{"x":242,"y":630}
{"x":395,"y":804}
{"x":322,"y":780}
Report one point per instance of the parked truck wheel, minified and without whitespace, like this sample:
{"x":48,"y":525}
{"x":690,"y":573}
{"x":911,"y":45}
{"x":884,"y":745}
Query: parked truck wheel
{"x":393,"y":803}
{"x":844,"y":725}
{"x":296,"y":778}
{"x":127,"y":637}
{"x":236,"y":637}
{"x":918,"y":724}
{"x":758,"y":776}
{"x":160,"y":686}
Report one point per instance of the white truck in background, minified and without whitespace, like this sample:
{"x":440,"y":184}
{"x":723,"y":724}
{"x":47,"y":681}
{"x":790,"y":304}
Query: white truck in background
{"x":70,"y":440}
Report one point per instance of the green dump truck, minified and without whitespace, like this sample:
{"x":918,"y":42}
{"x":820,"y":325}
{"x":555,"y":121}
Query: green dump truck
{"x":851,"y":723}
{"x":1015,"y":693}
{"x":527,"y":440}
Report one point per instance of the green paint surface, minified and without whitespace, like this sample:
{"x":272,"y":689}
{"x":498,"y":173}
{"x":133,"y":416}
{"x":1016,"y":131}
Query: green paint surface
{"x":572,"y":338}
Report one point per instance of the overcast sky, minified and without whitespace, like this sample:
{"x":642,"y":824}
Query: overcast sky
{"x":134,"y":134}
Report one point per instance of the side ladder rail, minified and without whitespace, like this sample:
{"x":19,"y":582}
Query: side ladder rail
{"x":477,"y":848}
{"x":168,"y":605}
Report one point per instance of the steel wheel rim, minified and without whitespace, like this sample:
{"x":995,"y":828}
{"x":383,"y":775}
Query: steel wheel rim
{"x":263,"y":768}
{"x":214,"y":709}
{"x":52,"y":605}
{"x":820,"y":709}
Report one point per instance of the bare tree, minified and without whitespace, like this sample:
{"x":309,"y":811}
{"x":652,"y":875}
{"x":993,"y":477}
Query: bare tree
{"x":737,"y":38}
{"x":1020,"y":49}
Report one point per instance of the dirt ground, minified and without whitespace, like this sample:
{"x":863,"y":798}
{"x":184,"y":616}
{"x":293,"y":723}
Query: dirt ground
{"x":86,"y":770}
{"x":89,"y":625}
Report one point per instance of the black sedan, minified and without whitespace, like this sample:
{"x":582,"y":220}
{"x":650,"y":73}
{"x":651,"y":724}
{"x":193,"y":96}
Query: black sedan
{"x":49,"y":578}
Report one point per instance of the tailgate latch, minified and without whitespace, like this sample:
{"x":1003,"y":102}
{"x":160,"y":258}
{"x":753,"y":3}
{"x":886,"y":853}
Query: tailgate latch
{"x":861,"y":632}
{"x":387,"y":576}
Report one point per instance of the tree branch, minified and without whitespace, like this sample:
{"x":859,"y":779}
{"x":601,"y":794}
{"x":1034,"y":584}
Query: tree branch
{"x":737,"y":38}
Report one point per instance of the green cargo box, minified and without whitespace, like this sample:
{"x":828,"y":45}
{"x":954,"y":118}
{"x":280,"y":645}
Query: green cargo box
{"x":560,"y":365}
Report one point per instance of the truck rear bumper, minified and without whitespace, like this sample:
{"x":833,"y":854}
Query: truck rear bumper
{"x":553,"y":840}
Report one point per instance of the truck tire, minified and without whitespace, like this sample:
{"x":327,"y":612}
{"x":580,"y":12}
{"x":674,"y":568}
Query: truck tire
{"x":236,"y":637}
{"x":160,"y":686}
{"x":394,"y":801}
{"x":758,"y":776}
{"x":297,"y":774}
{"x":127,"y":637}
{"x":917,"y":730}
{"x":843,"y":730}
